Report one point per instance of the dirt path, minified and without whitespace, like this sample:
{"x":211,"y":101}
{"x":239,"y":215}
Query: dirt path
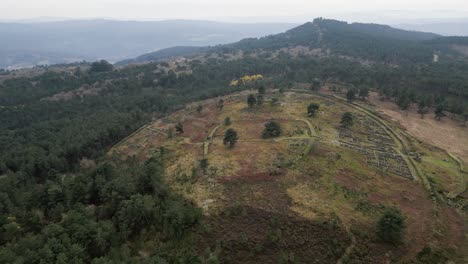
{"x":206,"y":144}
{"x":309,"y":125}
{"x":348,"y":250}
{"x":209,"y":140}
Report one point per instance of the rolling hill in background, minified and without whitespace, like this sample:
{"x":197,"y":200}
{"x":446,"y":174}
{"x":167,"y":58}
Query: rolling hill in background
{"x":28,"y":44}
{"x":373,"y":42}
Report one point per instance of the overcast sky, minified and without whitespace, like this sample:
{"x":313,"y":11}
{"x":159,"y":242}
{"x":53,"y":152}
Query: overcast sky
{"x":292,"y":10}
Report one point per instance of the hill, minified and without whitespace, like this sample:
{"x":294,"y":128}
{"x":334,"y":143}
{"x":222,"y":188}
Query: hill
{"x":262,"y":151}
{"x":165,"y":54}
{"x":68,"y":41}
{"x":407,"y":66}
{"x":315,"y":176}
{"x":366,"y":41}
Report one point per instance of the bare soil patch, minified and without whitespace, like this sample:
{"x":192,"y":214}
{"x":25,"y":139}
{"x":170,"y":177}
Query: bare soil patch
{"x":447,"y":134}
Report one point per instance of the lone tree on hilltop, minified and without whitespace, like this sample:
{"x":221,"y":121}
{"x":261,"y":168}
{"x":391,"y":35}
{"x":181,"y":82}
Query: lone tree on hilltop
{"x":261,"y":89}
{"x":404,"y":101}
{"x":272,"y":129}
{"x":199,"y":108}
{"x":312,"y":109}
{"x":220,"y":104}
{"x":230,"y":137}
{"x":351,"y":94}
{"x":251,"y":101}
{"x":439,"y":111}
{"x":422,"y":108}
{"x":390,"y":226}
{"x":347,"y":119}
{"x":227,"y":121}
{"x":204,"y":165}
{"x":179,"y":128}
{"x":315,"y":85}
{"x":364,"y":93}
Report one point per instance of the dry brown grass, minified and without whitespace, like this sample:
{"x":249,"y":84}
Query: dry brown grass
{"x":447,"y":134}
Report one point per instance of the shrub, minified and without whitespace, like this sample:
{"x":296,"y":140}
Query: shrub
{"x":390,"y":226}
{"x":312,"y":109}
{"x":251,"y":101}
{"x":347,"y":119}
{"x":227,"y":121}
{"x":351,"y":95}
{"x":272,"y":129}
{"x":230,"y":137}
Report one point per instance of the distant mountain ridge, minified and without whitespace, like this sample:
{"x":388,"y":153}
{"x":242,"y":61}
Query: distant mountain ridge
{"x":28,"y":44}
{"x":373,"y":42}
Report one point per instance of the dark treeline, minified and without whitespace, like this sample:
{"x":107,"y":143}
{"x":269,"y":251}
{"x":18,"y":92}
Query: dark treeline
{"x":54,"y":209}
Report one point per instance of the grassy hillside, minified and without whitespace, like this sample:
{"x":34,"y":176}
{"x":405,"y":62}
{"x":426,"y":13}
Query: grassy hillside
{"x":263,"y":196}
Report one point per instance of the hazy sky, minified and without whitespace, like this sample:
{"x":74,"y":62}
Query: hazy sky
{"x":221,"y":9}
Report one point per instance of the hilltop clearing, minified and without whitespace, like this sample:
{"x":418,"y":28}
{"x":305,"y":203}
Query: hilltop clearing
{"x":317,"y":177}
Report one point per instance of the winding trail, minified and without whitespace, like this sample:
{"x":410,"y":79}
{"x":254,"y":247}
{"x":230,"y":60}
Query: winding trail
{"x":206,"y":144}
{"x":210,"y":138}
{"x":348,"y":250}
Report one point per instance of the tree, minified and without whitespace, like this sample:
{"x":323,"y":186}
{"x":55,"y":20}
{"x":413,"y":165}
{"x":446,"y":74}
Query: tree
{"x":439,"y":111}
{"x":204,"y":165}
{"x":227,"y":121}
{"x":315,"y":85}
{"x":347,"y":119}
{"x":422,"y":108}
{"x":390,"y":226}
{"x":230,"y":137}
{"x":272,"y":129}
{"x":220,"y":104}
{"x":364,"y":93}
{"x":261,"y":89}
{"x":351,"y":94}
{"x":404,"y":101}
{"x":312,"y":109}
{"x":179,"y":128}
{"x":101,"y":66}
{"x":135,"y":214}
{"x":199,"y":108}
{"x":259,"y":100}
{"x":251,"y":101}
